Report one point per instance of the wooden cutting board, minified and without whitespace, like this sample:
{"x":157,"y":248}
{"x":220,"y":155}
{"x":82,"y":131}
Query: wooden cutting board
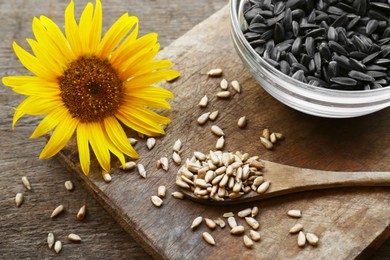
{"x":351,"y":222}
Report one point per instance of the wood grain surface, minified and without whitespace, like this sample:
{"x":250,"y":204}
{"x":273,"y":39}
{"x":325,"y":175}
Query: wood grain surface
{"x":24,"y":230}
{"x":351,"y":222}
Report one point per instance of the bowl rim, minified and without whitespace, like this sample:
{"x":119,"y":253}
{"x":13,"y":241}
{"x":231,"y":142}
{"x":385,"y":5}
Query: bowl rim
{"x":236,"y":28}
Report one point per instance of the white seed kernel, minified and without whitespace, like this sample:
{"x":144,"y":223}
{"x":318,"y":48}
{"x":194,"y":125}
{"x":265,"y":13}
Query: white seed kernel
{"x":19,"y":199}
{"x":220,"y":143}
{"x":177,"y":146}
{"x":69,"y":185}
{"x":263,"y":187}
{"x":294,"y":213}
{"x":253,"y":223}
{"x":244,"y":213}
{"x":132,"y":141}
{"x":301,"y":240}
{"x":220,"y":222}
{"x":232,"y":222}
{"x":238,"y":230}
{"x":106,"y":176}
{"x":204,"y":101}
{"x":176,"y":158}
{"x":177,"y":195}
{"x":210,"y":223}
{"x":141,"y":170}
{"x":215,"y":72}
{"x":312,"y":239}
{"x":156,"y":200}
{"x":128,"y":166}
{"x":196,"y":222}
{"x":202,"y":119}
{"x":74,"y":238}
{"x":150,"y":143}
{"x":217,"y":130}
{"x":272,"y":138}
{"x":248,"y":242}
{"x":50,"y":240}
{"x":26,"y":183}
{"x":266,"y":133}
{"x":213,"y":115}
{"x":255,"y":211}
{"x":254,"y":235}
{"x":224,"y":94}
{"x":228,"y":214}
{"x":58,"y":246}
{"x":81,"y":213}
{"x":236,"y":86}
{"x":57,"y":211}
{"x":242,"y":122}
{"x":296,"y":228}
{"x":161,"y":191}
{"x":266,"y":143}
{"x":208,"y":238}
{"x":224,"y":84}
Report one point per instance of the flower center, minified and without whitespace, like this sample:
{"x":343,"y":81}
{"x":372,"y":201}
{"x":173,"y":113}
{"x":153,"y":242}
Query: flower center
{"x":91,"y":89}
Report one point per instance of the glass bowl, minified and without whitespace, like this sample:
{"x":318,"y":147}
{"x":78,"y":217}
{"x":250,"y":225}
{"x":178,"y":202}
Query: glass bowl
{"x":303,"y":97}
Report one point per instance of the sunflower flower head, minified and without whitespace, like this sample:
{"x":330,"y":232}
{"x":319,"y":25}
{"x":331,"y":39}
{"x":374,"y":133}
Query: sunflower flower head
{"x":88,"y":84}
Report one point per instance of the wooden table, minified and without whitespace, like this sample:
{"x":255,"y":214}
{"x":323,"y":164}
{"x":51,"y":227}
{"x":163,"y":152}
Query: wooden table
{"x":24,"y":230}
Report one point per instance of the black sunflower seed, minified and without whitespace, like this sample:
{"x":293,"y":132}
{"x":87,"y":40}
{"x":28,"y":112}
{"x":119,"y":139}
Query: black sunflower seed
{"x":335,"y":10}
{"x":293,"y":4}
{"x":272,"y":62}
{"x":337,"y":48}
{"x":287,"y":21}
{"x":299,"y":75}
{"x":297,"y":66}
{"x":279,"y":7}
{"x":333,"y":69}
{"x":257,"y":43}
{"x":284,"y":67}
{"x":370,"y":57}
{"x":357,"y":65}
{"x":376,"y":74}
{"x":325,"y":51}
{"x":310,"y":46}
{"x":317,"y":61}
{"x":279,"y":33}
{"x":375,"y":85}
{"x":360,"y":76}
{"x":383,"y":6}
{"x":332,"y":34}
{"x":344,"y":81}
{"x":377,"y":15}
{"x":386,"y":33}
{"x":260,"y":49}
{"x":296,"y":47}
{"x":295,"y":28}
{"x":359,"y":44}
{"x":347,"y":8}
{"x":374,"y":48}
{"x":383,"y":62}
{"x":340,"y":21}
{"x":353,"y":22}
{"x":358,"y":55}
{"x":376,"y":67}
{"x":381,"y":81}
{"x":342,"y":61}
{"x":305,"y":59}
{"x":316,"y":32}
{"x":291,"y":58}
{"x":258,"y":19}
{"x":371,"y":26}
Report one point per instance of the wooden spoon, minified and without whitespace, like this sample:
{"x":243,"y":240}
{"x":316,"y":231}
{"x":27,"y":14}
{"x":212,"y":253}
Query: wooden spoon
{"x":287,"y":179}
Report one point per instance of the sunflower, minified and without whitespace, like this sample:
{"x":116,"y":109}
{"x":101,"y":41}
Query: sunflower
{"x":91,"y":85}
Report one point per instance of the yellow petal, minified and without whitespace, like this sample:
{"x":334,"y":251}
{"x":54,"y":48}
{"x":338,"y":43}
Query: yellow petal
{"x":49,"y":122}
{"x":96,"y":28}
{"x":38,"y":90}
{"x":15,"y":81}
{"x":118,"y":137}
{"x":138,"y":125}
{"x":17,"y":115}
{"x":39,"y":106}
{"x":99,"y":145}
{"x":50,"y":65}
{"x":147,"y":102}
{"x":83,"y":147}
{"x":60,"y":136}
{"x":115,"y":34}
{"x":150,"y":66}
{"x":145,"y":115}
{"x":85,"y":27}
{"x":72,"y":30}
{"x":150,"y":92}
{"x":152,"y":78}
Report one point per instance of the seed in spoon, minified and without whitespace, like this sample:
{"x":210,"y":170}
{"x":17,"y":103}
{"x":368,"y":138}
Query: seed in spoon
{"x":263,"y":187}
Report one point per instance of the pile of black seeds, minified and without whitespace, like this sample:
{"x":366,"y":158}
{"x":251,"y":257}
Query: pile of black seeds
{"x":335,"y":44}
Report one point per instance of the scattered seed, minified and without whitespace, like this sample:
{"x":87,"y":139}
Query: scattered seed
{"x":266,"y":143}
{"x":177,"y":146}
{"x":236,"y":86}
{"x":244,"y":213}
{"x":312,"y":239}
{"x":254,"y":235}
{"x":295,"y":213}
{"x":266,"y":133}
{"x":263,"y":187}
{"x":224,"y":84}
{"x":223,"y":94}
{"x":141,"y":170}
{"x":215,"y":72}
{"x":158,"y":164}
{"x":210,"y":223}
{"x":197,"y":221}
{"x":156,"y":200}
{"x":161,"y":191}
{"x":50,"y":240}
{"x":238,"y":230}
{"x":74,"y":238}
{"x":177,"y":195}
{"x":176,"y":158}
{"x":213,"y":115}
{"x":217,"y":130}
{"x":248,"y":242}
{"x":220,"y":143}
{"x":228,"y":214}
{"x":69,"y":185}
{"x":204,"y":101}
{"x":19,"y":199}
{"x":26,"y":183}
{"x":242,"y":122}
{"x":57,"y":211}
{"x":202,"y":119}
{"x":296,"y":228}
{"x":81,"y":213}
{"x":164,"y":163}
{"x":132,"y":141}
{"x":272,"y":138}
{"x":150,"y":143}
{"x":106,"y":176}
{"x":208,"y":238}
{"x":232,"y":222}
{"x":253,"y":223}
{"x":128,"y":166}
{"x":254,"y":212}
{"x":220,"y":222}
{"x":301,"y":240}
{"x":58,"y":246}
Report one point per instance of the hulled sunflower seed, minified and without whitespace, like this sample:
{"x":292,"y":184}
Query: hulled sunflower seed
{"x":196,"y":222}
{"x":254,"y":235}
{"x":150,"y":143}
{"x":200,"y":156}
{"x":156,"y":200}
{"x":141,"y":170}
{"x":26,"y":183}
{"x":220,"y":143}
{"x":248,"y":242}
{"x":242,"y":122}
{"x":272,"y":138}
{"x":263,"y":187}
{"x":223,"y":84}
{"x":236,"y":86}
{"x":208,"y":238}
{"x":182,"y":184}
{"x":204,"y":101}
{"x":176,"y":158}
{"x":295,"y":213}
{"x":50,"y":240}
{"x":74,"y":238}
{"x":244,"y":213}
{"x":266,"y":133}
{"x":164,"y":163}
{"x":161,"y":191}
{"x":19,"y":199}
{"x":132,"y":141}
{"x":69,"y":185}
{"x":128,"y":166}
{"x":213,"y":115}
{"x":210,"y":223}
{"x":228,"y":214}
{"x":253,"y":223}
{"x":106,"y":176}
{"x":81,"y":213}
{"x":254,"y":212}
{"x":177,"y":146}
{"x":177,"y":195}
{"x":220,"y":222}
{"x":301,"y":240}
{"x":158,"y":164}
{"x":58,"y":246}
{"x":217,"y":130}
{"x":224,"y":94}
{"x":57,"y":211}
{"x":312,"y":239}
{"x":215,"y":72}
{"x":232,"y":222}
{"x":266,"y":143}
{"x":296,"y":228}
{"x":202,"y":119}
{"x":238,"y":230}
